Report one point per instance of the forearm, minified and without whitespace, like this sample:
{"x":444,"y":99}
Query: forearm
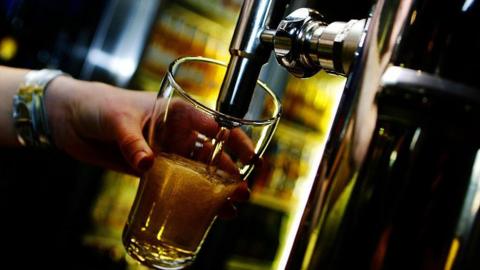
{"x":92,"y":122}
{"x":10,"y":79}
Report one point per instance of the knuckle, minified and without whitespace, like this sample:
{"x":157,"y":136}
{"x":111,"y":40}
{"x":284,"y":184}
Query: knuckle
{"x":130,"y":142}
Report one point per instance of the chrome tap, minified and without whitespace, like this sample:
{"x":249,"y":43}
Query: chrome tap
{"x":395,"y":183}
{"x":248,"y":54}
{"x":302,"y":42}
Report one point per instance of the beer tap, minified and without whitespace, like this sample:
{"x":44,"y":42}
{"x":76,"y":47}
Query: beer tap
{"x":395,"y":183}
{"x":302,"y":42}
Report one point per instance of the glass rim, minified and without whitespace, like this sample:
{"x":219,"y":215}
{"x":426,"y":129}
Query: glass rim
{"x":170,"y":75}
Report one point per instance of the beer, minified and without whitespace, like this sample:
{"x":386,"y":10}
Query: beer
{"x":177,"y":202}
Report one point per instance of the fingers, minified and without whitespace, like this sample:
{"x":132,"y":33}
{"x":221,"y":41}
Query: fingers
{"x":188,"y":117}
{"x":242,"y":193}
{"x":192,"y":133}
{"x":184,"y":117}
{"x":228,"y":209}
{"x":240,"y":144}
{"x":100,"y":154}
{"x":132,"y":144}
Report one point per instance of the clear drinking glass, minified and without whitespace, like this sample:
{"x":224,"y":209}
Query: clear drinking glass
{"x":201,"y":158}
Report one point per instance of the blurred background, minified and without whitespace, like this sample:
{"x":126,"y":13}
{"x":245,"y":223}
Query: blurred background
{"x":63,"y":214}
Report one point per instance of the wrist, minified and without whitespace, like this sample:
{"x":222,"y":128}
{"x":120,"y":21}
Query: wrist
{"x":57,"y":100}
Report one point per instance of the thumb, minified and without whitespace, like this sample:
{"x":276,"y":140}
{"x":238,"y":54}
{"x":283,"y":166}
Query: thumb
{"x":133,"y":146}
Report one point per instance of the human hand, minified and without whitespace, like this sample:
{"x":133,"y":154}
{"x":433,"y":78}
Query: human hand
{"x":186,"y":131}
{"x":103,"y":125}
{"x":100,"y":124}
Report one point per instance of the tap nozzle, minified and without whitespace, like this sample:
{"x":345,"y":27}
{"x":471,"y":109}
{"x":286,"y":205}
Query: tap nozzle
{"x":248,"y":54}
{"x":304,"y":43}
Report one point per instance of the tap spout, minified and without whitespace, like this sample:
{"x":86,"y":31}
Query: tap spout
{"x":248,"y":54}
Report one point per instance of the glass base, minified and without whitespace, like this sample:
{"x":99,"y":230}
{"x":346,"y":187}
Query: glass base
{"x":162,"y":256}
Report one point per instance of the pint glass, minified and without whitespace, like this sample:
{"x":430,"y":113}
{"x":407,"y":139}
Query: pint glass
{"x":201,"y":158}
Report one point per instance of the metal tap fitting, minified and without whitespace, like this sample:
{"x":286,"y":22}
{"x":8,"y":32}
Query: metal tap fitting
{"x":303,"y":43}
{"x":248,"y":54}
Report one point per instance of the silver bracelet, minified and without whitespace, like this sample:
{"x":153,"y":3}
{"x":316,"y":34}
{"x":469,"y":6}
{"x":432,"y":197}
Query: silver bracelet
{"x":29,"y":114}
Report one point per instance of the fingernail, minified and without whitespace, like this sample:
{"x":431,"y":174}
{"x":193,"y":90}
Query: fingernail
{"x":242,"y":193}
{"x":144,"y":162}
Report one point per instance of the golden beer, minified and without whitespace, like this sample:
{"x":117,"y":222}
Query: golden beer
{"x":176,"y":204}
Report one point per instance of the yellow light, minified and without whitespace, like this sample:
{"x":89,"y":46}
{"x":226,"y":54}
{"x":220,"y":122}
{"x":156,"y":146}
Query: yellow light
{"x":452,"y":254}
{"x":413,"y":17}
{"x":147,"y":223}
{"x":381,"y":131}
{"x":393,"y":158}
{"x":284,"y":251}
{"x":334,"y":85}
{"x":339,"y":207}
{"x":8,"y":48}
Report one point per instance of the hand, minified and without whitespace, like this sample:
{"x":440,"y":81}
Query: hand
{"x":186,"y":131}
{"x":100,"y":124}
{"x":241,"y":194}
{"x":189,"y":132}
{"x":103,"y":125}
